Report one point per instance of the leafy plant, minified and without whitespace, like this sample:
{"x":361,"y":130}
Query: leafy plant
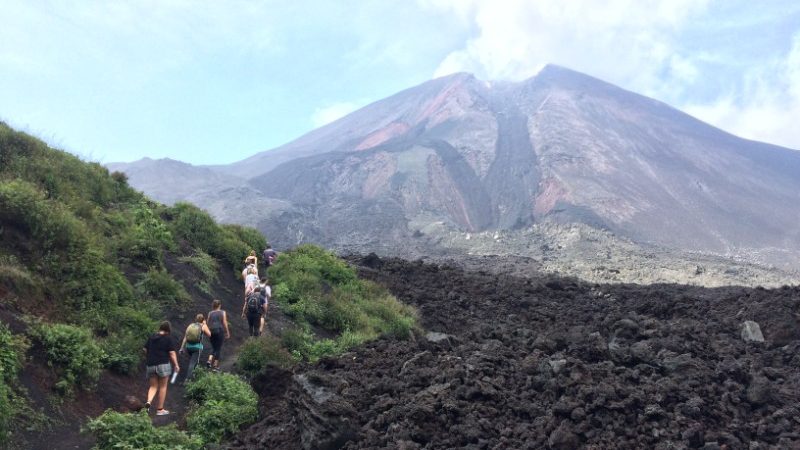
{"x":318,"y":289}
{"x":73,"y":351}
{"x":158,"y":285}
{"x":12,"y":351}
{"x":258,"y":353}
{"x":132,"y":431}
{"x":221,"y":404}
{"x":206,"y":265}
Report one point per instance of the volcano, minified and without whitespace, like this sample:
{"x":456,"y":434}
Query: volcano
{"x":474,"y":156}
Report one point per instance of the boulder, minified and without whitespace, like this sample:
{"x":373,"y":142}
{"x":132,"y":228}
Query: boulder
{"x":751,"y":332}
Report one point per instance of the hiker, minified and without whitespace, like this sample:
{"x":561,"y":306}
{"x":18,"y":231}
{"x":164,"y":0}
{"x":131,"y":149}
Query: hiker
{"x":218,"y":324}
{"x":268,"y":256}
{"x":250,"y":281}
{"x":266,"y":294}
{"x":193,"y":342}
{"x":161,"y":352}
{"x":247,"y":270}
{"x":254,"y":308}
{"x":251,"y":259}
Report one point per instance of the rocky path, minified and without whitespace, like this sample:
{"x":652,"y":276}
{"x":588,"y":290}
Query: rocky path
{"x":550,"y":363}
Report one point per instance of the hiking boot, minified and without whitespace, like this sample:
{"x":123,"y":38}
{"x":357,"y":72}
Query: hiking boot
{"x":147,"y":407}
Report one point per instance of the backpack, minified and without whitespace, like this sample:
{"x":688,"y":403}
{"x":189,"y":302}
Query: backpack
{"x":253,"y":304}
{"x":194,"y":333}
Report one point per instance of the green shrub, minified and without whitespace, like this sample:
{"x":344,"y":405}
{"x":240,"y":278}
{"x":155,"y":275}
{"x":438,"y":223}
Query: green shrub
{"x":144,"y":240}
{"x":135,"y":431}
{"x":250,"y":236}
{"x":316,"y":288}
{"x":195,"y":226}
{"x":12,"y":353}
{"x":221,"y":404}
{"x":158,"y":285}
{"x":73,"y":351}
{"x":258,"y":353}
{"x":126,"y":329}
{"x":206,"y":265}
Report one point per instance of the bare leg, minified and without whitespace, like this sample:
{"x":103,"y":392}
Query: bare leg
{"x":162,"y":391}
{"x":151,"y":392}
{"x":261,"y":326}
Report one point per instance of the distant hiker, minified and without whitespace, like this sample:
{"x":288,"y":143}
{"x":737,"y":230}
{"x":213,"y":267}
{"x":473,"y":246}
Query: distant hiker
{"x":218,"y":324}
{"x":193,"y":342}
{"x":250,"y":280}
{"x":161,"y":350}
{"x":266,"y":294}
{"x":247,"y":269}
{"x":251,"y":259}
{"x":269,"y":256}
{"x":254,"y":308}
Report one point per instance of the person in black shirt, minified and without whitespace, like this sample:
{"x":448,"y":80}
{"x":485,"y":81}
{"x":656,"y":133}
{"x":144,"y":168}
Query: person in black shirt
{"x":162,"y":357}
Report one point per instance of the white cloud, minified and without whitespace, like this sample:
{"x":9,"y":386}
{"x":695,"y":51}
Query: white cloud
{"x":327,"y":114}
{"x":766,"y":108}
{"x":626,"y":41}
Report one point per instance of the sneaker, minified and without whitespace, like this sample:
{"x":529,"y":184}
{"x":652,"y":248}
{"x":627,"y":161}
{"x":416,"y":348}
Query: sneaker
{"x":162,"y":412}
{"x":208,"y":364}
{"x":147,"y":407}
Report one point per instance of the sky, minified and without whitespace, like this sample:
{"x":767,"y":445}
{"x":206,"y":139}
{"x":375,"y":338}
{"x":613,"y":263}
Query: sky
{"x":215,"y":82}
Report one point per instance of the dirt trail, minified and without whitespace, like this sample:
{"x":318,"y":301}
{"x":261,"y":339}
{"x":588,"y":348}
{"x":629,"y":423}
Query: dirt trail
{"x":113,"y":391}
{"x":549,"y":363}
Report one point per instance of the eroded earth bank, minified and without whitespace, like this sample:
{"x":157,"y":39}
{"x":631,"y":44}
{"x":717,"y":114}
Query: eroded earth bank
{"x":511,"y":362}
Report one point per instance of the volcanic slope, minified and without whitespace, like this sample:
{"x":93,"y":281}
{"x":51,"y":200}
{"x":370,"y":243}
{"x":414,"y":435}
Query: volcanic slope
{"x":549,"y":363}
{"x":486,"y":156}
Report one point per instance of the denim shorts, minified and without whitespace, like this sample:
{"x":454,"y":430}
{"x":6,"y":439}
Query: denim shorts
{"x":161,"y":370}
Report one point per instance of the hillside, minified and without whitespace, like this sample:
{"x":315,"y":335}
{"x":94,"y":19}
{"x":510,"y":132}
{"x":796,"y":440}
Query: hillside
{"x":549,"y":363}
{"x":89,"y":267}
{"x":460,"y":155}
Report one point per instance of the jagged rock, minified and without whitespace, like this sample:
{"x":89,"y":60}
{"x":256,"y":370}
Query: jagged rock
{"x":751,"y":332}
{"x":563,"y":438}
{"x":557,"y":365}
{"x":759,"y":392}
{"x":132,"y":403}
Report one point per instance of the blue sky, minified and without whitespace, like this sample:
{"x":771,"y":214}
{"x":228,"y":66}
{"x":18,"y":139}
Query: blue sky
{"x":214,"y":82}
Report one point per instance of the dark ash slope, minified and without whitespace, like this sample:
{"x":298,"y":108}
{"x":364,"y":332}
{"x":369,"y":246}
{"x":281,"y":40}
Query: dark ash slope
{"x":550,"y":363}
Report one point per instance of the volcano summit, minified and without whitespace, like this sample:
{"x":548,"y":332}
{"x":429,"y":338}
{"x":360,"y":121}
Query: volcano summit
{"x":459,"y":155}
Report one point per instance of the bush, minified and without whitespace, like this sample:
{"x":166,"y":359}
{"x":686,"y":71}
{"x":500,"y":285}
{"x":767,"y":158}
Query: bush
{"x":317,"y":288}
{"x":115,"y":430}
{"x":258,"y":353}
{"x":206,"y":265}
{"x":158,"y":285}
{"x":250,"y":236}
{"x":73,"y":351}
{"x":195,"y":226}
{"x":144,"y":242}
{"x":221,"y":404}
{"x":12,"y":352}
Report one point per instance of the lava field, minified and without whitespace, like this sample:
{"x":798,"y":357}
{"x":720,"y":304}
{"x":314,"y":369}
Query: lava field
{"x":544,"y":362}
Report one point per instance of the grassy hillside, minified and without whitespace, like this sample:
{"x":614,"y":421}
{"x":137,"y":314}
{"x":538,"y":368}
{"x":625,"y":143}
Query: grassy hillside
{"x":88,"y":266}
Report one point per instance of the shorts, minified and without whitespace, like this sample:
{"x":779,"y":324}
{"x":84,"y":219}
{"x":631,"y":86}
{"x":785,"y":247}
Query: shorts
{"x":161,"y":370}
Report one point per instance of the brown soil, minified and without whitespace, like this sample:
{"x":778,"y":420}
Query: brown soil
{"x":546,"y":362}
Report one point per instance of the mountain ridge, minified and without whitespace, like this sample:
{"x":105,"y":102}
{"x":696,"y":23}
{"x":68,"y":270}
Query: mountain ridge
{"x":559,"y":147}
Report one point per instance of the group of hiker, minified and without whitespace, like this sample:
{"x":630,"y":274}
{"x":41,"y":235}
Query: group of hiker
{"x":162,"y":348}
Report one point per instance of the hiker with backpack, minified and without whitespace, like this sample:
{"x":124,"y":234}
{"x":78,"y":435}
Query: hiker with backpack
{"x":268,"y":256}
{"x":266,"y":294}
{"x":193,"y":342}
{"x":218,"y":324}
{"x":250,"y":281}
{"x":253,"y":308}
{"x":162,"y":359}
